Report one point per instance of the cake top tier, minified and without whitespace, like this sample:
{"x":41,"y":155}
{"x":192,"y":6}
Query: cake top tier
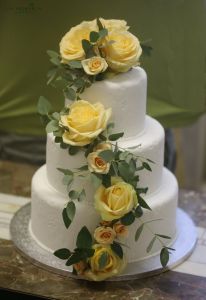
{"x":125,"y":93}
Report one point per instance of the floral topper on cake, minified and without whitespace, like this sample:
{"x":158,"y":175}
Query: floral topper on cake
{"x":91,"y":51}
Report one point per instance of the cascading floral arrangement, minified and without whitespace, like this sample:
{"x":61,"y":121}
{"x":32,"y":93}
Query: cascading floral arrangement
{"x":92,"y":51}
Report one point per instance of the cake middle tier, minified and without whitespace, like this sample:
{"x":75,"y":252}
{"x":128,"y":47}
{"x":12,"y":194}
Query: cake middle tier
{"x":125,"y":93}
{"x":149,"y":144}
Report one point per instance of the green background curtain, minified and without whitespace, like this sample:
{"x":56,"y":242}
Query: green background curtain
{"x":176,"y":69}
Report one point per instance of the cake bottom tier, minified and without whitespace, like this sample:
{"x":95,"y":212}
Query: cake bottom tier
{"x":48,"y":230}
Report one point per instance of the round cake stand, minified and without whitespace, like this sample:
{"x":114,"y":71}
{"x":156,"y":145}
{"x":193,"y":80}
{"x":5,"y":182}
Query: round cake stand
{"x":184,"y":245}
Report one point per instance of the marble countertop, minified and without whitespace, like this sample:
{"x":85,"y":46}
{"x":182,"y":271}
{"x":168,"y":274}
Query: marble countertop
{"x":187,"y":281}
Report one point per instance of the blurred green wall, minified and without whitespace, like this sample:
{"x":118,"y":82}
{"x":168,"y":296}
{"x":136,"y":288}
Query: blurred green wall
{"x":176,"y":69}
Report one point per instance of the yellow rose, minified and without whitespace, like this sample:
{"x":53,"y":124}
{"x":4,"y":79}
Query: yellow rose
{"x":114,"y":265}
{"x":115,"y":201}
{"x":84,"y":122}
{"x":124,"y":53}
{"x":94,"y":65}
{"x":97,"y":164}
{"x":121,"y":230}
{"x":104,"y":235}
{"x":103,"y":146}
{"x":113,"y":24}
{"x":71,"y":43}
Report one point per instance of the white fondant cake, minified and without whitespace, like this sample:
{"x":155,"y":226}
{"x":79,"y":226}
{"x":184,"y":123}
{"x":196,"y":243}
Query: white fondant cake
{"x":144,"y":136}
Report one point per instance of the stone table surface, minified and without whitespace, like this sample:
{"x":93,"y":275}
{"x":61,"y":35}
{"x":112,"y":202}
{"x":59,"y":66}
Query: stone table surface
{"x":19,"y":275}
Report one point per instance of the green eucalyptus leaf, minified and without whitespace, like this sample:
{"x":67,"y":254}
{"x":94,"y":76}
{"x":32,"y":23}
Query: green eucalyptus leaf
{"x":146,"y":49}
{"x":86,"y":45}
{"x":142,"y":190}
{"x":74,"y":258}
{"x":58,"y":133}
{"x":55,"y":61}
{"x":67,"y":179}
{"x":96,"y":180}
{"x":94,"y":36}
{"x":82,"y":195}
{"x":99,"y":24}
{"x":138,"y":212}
{"x":52,"y":126}
{"x":52,"y":53}
{"x":60,"y":83}
{"x":125,"y":171}
{"x":163,"y":236}
{"x":84,"y":238}
{"x":51,"y":74}
{"x":66,"y":219}
{"x":107,"y":155}
{"x":143,"y":203}
{"x":103,"y":260}
{"x":128,"y":219}
{"x":58,"y":139}
{"x":64,"y":145}
{"x":164,"y":256}
{"x":83,"y":168}
{"x":56,"y":116}
{"x":115,"y":136}
{"x":71,"y":210}
{"x":75,"y":64}
{"x":138,"y":232}
{"x":70,"y":94}
{"x":115,"y":168}
{"x":150,"y":161}
{"x":43,"y":106}
{"x":73,"y":150}
{"x":146,"y":166}
{"x":62,"y":253}
{"x":117,"y":249}
{"x":79,"y":83}
{"x":149,"y":248}
{"x":65,"y":171}
{"x":73,"y":194}
{"x":106,"y":180}
{"x":102,"y":33}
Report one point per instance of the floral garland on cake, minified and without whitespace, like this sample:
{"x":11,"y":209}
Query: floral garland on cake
{"x":92,"y":51}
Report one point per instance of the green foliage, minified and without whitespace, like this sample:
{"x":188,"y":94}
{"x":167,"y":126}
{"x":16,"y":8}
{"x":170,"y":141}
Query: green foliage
{"x":143,"y":203}
{"x":67,"y":179}
{"x":84,"y":238}
{"x":99,"y":24}
{"x":96,"y":180}
{"x":71,"y":210}
{"x":103,"y":260}
{"x":115,"y":136}
{"x":106,"y":180}
{"x":163,"y":236}
{"x":107,"y":155}
{"x":43,"y":106}
{"x":75,"y":64}
{"x":53,"y":125}
{"x":117,"y":249}
{"x":102,"y":33}
{"x":138,"y":232}
{"x":149,"y":248}
{"x":164,"y":257}
{"x":146,"y":166}
{"x":62,"y":253}
{"x":65,"y":171}
{"x":70,"y":94}
{"x":128,"y":219}
{"x":66,"y":219}
{"x":138,"y":211}
{"x":146,"y":49}
{"x":94,"y":36}
{"x":73,"y":150}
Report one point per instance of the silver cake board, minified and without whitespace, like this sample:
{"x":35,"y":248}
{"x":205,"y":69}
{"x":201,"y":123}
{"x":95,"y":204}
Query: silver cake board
{"x":184,"y":245}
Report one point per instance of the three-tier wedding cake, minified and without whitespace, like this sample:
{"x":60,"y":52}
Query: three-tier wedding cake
{"x":129,"y":213}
